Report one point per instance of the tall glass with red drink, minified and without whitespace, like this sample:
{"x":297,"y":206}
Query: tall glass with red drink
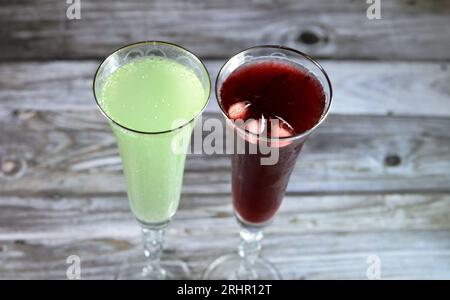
{"x":272,"y":97}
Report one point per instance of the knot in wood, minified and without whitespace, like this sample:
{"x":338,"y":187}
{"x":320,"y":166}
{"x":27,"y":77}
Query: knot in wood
{"x":11,"y":167}
{"x":392,"y":160}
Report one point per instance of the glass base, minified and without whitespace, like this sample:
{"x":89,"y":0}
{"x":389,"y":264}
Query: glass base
{"x":226,"y":268}
{"x":170,"y":270}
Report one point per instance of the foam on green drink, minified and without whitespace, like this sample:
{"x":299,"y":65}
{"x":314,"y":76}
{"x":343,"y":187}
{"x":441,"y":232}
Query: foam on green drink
{"x":152,"y":95}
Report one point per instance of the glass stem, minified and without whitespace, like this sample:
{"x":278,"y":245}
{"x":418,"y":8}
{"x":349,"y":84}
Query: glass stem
{"x":249,"y":250}
{"x":153,"y":238}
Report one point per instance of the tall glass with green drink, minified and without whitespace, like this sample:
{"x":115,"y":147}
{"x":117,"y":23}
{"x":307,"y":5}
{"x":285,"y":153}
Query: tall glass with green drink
{"x":151,"y":93}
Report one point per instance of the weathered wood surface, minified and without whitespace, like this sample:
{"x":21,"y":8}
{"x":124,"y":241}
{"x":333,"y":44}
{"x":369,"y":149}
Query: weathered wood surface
{"x":313,"y":237}
{"x":373,"y":180}
{"x":350,"y":197}
{"x":338,"y":29}
{"x":72,"y":153}
{"x":368,"y":88}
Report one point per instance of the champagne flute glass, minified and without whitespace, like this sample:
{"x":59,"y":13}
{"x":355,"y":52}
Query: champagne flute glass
{"x":151,"y":93}
{"x":282,"y":95}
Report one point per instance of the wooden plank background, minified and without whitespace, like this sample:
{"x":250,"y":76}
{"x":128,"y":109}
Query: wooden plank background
{"x":410,"y":29}
{"x":409,"y":88}
{"x":373,"y":180}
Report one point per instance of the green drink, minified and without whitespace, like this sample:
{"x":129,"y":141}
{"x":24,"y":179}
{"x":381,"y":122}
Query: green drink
{"x":155,"y":90}
{"x":152,"y":92}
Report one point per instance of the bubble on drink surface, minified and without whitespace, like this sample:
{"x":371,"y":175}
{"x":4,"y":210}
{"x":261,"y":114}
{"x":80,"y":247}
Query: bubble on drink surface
{"x":239,"y":110}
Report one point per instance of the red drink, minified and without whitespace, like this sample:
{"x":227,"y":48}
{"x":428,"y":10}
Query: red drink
{"x":269,"y":89}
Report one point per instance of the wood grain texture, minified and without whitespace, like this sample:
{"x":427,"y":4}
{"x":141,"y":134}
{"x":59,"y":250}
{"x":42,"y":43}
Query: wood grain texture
{"x":337,"y":29}
{"x":418,"y":89}
{"x":373,"y":180}
{"x":313,"y":237}
{"x":71,"y":153}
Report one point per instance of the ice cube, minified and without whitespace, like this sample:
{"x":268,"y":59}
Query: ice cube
{"x":256,"y":127}
{"x":239,"y":110}
{"x":279,"y":128}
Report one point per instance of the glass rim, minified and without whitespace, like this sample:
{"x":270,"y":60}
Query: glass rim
{"x":289,"y":138}
{"x":154,"y":42}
